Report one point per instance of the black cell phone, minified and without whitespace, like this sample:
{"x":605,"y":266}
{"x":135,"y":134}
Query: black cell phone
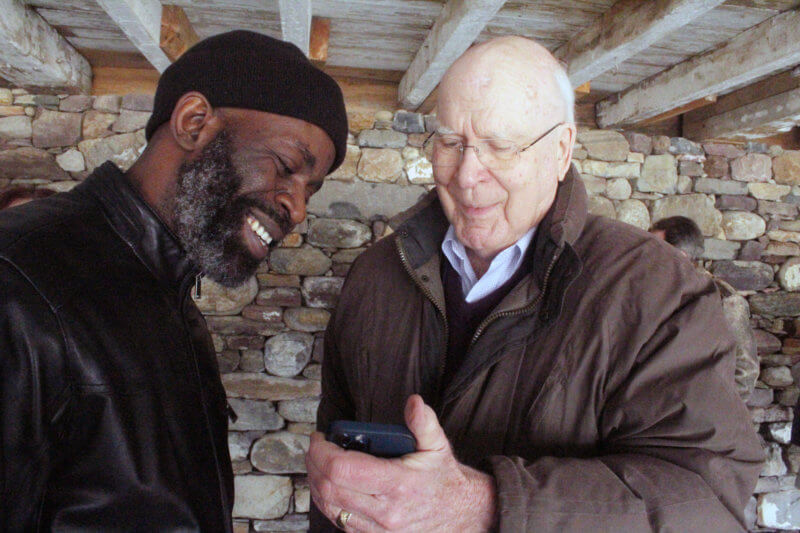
{"x":380,"y":440}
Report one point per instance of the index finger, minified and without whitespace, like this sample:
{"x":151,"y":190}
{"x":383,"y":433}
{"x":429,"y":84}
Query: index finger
{"x":352,"y":469}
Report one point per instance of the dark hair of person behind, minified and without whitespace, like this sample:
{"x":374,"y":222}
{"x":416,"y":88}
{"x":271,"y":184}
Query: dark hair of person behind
{"x":682,"y":233}
{"x":12,"y":194}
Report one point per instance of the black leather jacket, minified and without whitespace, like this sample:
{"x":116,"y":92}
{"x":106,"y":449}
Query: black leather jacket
{"x":112,"y":411}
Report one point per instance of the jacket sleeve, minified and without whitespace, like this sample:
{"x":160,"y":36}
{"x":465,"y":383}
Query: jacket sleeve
{"x":677,"y":449}
{"x":33,"y":395}
{"x":334,"y":405}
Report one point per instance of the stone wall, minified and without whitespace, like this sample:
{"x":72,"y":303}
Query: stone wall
{"x":268,"y":333}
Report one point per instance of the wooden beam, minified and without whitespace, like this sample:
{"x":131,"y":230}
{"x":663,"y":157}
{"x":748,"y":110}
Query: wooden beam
{"x":626,"y":29}
{"x":33,"y":54}
{"x":296,"y":22}
{"x":779,"y":113}
{"x":769,"y":47}
{"x":459,"y":24}
{"x":318,"y":43}
{"x":697,"y":104}
{"x":140,"y":21}
{"x":113,"y":80}
{"x":583,"y":89}
{"x":177,"y":33}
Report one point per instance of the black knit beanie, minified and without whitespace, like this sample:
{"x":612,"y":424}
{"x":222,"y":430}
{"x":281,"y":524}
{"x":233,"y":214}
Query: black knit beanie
{"x":249,"y":70}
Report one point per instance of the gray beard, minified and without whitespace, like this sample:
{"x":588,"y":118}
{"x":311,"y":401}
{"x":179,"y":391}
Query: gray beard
{"x":208,"y":215}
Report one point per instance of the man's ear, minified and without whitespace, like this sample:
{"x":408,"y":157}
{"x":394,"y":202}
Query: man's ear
{"x":194,"y":123}
{"x":566,"y":142}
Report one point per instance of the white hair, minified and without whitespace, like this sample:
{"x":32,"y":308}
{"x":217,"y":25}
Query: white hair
{"x":567,"y":93}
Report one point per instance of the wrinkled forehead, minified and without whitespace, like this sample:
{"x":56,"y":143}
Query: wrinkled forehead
{"x":499,"y":94}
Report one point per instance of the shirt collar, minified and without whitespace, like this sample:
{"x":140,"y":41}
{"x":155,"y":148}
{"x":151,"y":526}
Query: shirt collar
{"x":500,"y":269}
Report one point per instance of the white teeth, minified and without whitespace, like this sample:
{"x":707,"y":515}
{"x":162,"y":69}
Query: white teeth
{"x":259,"y":230}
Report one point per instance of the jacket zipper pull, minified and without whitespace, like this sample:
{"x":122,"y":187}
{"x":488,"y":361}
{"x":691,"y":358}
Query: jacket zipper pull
{"x":198,"y":286}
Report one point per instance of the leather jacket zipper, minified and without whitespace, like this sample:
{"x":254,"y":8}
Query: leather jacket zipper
{"x":428,"y":294}
{"x":184,"y":294}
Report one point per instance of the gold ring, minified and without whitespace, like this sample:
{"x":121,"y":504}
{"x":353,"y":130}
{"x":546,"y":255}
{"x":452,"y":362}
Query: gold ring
{"x":341,"y":520}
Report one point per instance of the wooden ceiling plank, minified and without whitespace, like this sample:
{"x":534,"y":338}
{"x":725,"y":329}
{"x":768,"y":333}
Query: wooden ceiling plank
{"x":116,"y":80}
{"x":33,"y":54}
{"x":296,"y":22}
{"x":769,"y":47}
{"x":318,"y":42}
{"x":775,"y":112}
{"x":691,"y":106}
{"x":628,"y":28}
{"x":140,"y":21}
{"x":177,"y":33}
{"x":459,"y":24}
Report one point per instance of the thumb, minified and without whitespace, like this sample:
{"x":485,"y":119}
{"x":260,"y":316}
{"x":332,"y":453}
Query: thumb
{"x":424,"y":424}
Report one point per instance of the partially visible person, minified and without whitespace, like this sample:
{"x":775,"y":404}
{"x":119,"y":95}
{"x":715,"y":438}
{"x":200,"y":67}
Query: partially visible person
{"x":114,"y":417}
{"x":19,"y":195}
{"x":686,"y":237}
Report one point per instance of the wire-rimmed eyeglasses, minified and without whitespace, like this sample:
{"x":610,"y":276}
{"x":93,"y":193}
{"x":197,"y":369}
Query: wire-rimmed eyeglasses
{"x":447,"y":150}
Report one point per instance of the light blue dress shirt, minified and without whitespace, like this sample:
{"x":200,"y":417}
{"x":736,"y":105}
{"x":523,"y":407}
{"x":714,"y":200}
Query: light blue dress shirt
{"x":501,"y":268}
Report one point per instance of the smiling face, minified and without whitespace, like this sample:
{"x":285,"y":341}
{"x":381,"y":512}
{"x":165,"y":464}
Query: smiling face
{"x":502,"y":89}
{"x":247,"y":189}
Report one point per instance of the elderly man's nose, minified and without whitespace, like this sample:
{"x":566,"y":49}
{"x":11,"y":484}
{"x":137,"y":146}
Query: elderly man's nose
{"x":470,"y":170}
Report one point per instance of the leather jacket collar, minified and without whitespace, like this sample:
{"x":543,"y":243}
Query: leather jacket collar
{"x":139,"y":226}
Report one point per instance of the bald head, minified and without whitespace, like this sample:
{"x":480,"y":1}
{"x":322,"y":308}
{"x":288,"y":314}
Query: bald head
{"x":514,"y":79}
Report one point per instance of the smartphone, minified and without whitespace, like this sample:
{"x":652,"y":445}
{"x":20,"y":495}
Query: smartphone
{"x":380,"y":440}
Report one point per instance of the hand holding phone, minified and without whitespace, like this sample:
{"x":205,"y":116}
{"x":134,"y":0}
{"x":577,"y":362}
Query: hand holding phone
{"x":380,"y":440}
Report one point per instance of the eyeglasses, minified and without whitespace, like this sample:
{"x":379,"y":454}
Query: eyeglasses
{"x":447,"y":150}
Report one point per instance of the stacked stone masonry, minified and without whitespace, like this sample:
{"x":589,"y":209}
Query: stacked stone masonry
{"x":269,"y":332}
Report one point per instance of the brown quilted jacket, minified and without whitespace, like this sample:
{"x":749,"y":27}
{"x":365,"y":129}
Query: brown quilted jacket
{"x":599,"y":393}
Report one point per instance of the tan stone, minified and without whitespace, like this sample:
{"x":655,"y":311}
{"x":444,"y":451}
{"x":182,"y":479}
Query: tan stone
{"x":292,"y":240}
{"x":31,"y":164}
{"x":605,"y":145}
{"x":787,"y":167}
{"x":607,"y":169}
{"x":266,"y":279}
{"x":752,"y":167}
{"x":768,"y":191}
{"x":54,"y":128}
{"x":602,"y":206}
{"x":380,"y":165}
{"x":742,"y":226}
{"x":121,"y":149}
{"x":258,"y":386}
{"x":71,"y":161}
{"x":11,"y":110}
{"x":784,"y":236}
{"x":306,"y":319}
{"x":593,"y":184}
{"x":217,"y":299}
{"x":659,"y":174}
{"x":419,"y":171}
{"x":261,"y":496}
{"x":97,"y":124}
{"x":698,"y":207}
{"x":618,"y":189}
{"x":6,"y":97}
{"x":635,"y":157}
{"x":15,"y":127}
{"x":349,"y":167}
{"x":635,"y":213}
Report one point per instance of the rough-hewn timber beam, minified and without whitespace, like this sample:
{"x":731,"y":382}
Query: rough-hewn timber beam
{"x":140,"y":20}
{"x":318,"y":43}
{"x":769,"y":47}
{"x":296,"y":22}
{"x":626,"y":29}
{"x":770,"y":105}
{"x":459,"y":24}
{"x":177,"y":33}
{"x":33,"y":54}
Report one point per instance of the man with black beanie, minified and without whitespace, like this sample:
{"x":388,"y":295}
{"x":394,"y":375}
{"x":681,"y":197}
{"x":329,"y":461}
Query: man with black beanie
{"x":114,"y":416}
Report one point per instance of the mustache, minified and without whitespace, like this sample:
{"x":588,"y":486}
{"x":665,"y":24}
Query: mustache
{"x":279,"y":216}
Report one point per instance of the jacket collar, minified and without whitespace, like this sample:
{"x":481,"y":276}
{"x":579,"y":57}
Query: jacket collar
{"x":139,"y":226}
{"x":423,"y":227}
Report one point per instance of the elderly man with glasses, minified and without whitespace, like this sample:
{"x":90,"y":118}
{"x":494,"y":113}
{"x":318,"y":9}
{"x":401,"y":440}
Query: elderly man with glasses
{"x":560,"y":371}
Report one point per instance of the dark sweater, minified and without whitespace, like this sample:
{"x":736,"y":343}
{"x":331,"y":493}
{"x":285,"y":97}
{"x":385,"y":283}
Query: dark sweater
{"x":463,"y":318}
